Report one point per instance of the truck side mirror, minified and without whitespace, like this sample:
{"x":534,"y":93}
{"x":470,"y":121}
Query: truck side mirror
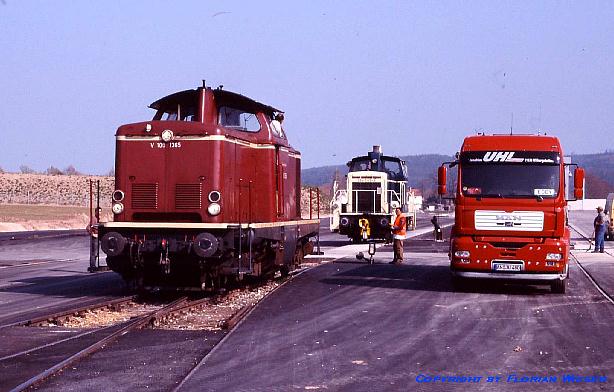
{"x":578,"y":183}
{"x":442,"y":176}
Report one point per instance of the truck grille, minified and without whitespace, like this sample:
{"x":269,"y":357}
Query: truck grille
{"x":188,"y":196}
{"x":145,"y":196}
{"x":509,"y":221}
{"x":366,"y":197}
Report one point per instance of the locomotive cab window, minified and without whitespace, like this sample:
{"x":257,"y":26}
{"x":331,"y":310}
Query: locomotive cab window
{"x":395,"y":169}
{"x":176,"y":113}
{"x":360,"y":165}
{"x":238,"y":119}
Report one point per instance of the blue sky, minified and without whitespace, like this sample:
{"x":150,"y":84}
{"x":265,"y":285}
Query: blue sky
{"x":415,"y":77}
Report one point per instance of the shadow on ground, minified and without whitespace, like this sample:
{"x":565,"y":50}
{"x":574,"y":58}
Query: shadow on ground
{"x":76,"y":285}
{"x":420,"y":277}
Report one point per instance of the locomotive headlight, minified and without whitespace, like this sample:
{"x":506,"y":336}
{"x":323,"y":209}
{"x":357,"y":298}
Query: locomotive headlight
{"x":554,"y":256}
{"x":118,"y":208}
{"x":462,"y":254}
{"x":167,"y":135}
{"x":215,"y":196}
{"x":214,"y":209}
{"x":118,"y":195}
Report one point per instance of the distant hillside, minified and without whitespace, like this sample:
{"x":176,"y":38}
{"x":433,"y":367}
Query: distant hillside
{"x":423,"y":172}
{"x":599,"y":173}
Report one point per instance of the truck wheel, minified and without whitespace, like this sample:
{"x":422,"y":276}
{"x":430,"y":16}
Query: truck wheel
{"x":559,"y":286}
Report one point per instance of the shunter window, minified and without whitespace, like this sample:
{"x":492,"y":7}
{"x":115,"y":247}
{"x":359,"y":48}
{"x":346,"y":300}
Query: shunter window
{"x":238,"y":119}
{"x":360,"y":165}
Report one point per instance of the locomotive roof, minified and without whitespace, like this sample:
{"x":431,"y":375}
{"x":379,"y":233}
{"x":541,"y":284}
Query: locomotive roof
{"x":223,"y":97}
{"x":362,"y":157}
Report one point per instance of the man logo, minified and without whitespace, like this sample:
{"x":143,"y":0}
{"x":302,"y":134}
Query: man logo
{"x":514,"y":218}
{"x":498,"y":156}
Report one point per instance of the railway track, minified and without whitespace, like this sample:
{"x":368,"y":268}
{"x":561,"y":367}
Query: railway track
{"x":231,"y":324}
{"x":63,"y":314}
{"x":109,"y":334}
{"x":151,"y":318}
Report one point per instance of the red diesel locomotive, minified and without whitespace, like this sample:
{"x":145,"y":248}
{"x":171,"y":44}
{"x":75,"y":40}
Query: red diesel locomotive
{"x":208,"y":190}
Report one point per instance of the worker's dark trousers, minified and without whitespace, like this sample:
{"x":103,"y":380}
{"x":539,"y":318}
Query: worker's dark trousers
{"x":599,"y":238}
{"x":397,"y":246}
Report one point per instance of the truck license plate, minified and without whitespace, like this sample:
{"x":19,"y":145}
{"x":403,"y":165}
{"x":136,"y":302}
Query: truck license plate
{"x":506,"y":267}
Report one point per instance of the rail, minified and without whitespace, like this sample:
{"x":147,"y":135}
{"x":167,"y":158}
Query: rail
{"x":149,"y":319}
{"x":231,"y":325}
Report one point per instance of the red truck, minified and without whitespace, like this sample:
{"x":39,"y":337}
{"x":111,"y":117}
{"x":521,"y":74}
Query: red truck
{"x":511,"y":210}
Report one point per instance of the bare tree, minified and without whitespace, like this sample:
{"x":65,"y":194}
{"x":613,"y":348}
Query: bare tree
{"x":25,"y":169}
{"x":53,"y":171}
{"x":71,"y":171}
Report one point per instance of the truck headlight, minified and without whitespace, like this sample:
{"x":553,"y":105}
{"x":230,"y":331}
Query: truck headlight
{"x":554,"y":256}
{"x":214,"y":209}
{"x":118,"y":208}
{"x":464,"y":254}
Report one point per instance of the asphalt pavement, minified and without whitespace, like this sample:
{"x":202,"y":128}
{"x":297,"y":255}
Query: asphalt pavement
{"x":44,"y":275}
{"x":351,"y":326}
{"x":344,"y":325}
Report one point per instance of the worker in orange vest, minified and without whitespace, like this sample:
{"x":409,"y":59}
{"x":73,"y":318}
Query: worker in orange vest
{"x":399,"y":229}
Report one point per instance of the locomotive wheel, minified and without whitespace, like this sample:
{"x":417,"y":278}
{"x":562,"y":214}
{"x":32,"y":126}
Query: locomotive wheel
{"x":121,"y":265}
{"x":284,"y":270}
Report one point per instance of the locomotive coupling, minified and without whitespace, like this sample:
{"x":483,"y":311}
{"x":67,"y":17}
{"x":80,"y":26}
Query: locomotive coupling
{"x":113,"y":243}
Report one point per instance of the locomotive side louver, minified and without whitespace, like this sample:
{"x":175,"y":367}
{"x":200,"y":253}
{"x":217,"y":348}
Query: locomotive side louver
{"x":188,"y":196}
{"x":145,"y":196}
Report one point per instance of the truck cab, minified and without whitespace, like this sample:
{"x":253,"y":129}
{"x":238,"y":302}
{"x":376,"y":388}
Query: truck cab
{"x":510,"y":210}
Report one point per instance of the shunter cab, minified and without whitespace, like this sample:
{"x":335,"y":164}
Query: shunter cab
{"x":376,"y":186}
{"x":207,"y":188}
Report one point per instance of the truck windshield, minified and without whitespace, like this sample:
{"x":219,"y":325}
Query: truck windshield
{"x":510,"y":174}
